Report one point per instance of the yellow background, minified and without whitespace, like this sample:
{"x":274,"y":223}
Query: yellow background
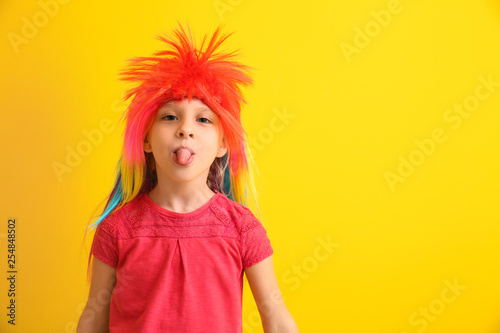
{"x":350,"y":119}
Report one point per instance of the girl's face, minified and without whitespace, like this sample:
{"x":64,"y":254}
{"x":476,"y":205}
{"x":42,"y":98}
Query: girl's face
{"x":185,"y":138}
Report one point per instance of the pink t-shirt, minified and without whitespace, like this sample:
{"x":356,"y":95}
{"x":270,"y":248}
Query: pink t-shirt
{"x":179,"y":272}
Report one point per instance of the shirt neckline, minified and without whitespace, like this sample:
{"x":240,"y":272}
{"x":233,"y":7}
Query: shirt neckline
{"x":169,"y":213}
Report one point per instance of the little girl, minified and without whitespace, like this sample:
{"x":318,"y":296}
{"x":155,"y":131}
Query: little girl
{"x":176,"y":237}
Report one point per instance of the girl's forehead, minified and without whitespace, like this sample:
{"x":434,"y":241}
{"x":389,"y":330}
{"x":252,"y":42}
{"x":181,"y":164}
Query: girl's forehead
{"x":194,"y":103}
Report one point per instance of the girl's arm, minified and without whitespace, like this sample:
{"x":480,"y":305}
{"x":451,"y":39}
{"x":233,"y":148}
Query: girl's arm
{"x":95,"y":316}
{"x":265,"y":289}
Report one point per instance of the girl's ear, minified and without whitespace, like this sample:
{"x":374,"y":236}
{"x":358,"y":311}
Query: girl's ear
{"x":147,"y":145}
{"x":222,"y":149}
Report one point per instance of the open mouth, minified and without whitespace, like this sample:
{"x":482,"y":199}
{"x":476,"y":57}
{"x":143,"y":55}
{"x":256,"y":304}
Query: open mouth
{"x":183,"y":155}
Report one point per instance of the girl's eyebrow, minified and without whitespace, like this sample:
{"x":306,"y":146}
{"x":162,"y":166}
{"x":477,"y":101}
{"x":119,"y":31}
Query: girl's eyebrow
{"x":174,"y":108}
{"x":205,"y":108}
{"x":168,"y":106}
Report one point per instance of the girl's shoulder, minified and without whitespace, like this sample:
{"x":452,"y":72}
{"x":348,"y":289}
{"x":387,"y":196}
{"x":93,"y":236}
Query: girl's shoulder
{"x":231,"y":206}
{"x":123,"y":215}
{"x":236,"y":214}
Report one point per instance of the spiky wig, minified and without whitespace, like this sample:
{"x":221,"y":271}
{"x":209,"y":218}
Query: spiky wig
{"x":184,"y":71}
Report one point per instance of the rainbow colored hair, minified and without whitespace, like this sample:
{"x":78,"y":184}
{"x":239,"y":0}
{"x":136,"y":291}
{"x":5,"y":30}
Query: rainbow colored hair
{"x":183,"y":71}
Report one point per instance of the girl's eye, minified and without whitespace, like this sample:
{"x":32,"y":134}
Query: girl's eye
{"x":170,"y":117}
{"x":204,"y":120}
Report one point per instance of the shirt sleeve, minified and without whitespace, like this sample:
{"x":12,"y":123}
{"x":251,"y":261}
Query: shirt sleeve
{"x":104,"y":245}
{"x":255,"y":245}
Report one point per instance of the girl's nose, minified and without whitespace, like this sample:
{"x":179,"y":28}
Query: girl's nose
{"x":185,"y":130}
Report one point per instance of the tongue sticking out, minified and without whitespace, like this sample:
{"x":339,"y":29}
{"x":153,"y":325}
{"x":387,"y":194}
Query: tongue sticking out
{"x":183,"y":156}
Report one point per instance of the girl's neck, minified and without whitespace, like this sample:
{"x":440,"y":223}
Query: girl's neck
{"x":181,"y":199}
